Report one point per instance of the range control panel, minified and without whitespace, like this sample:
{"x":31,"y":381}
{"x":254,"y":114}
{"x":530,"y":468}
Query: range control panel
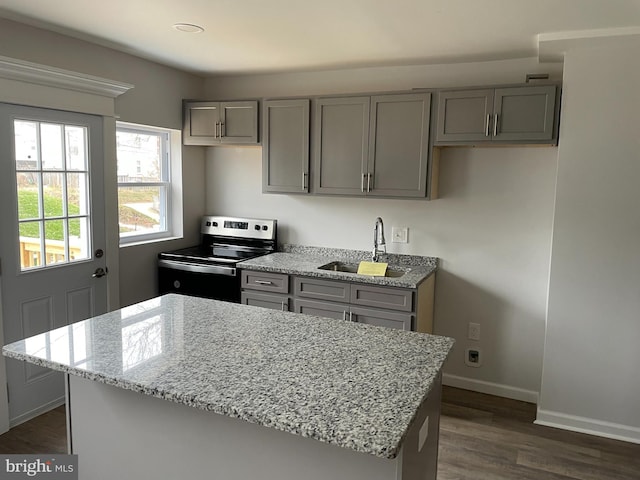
{"x":257,"y":228}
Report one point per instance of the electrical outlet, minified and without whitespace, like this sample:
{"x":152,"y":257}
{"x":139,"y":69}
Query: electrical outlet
{"x":473,"y":357}
{"x":400,"y":234}
{"x":474,"y":331}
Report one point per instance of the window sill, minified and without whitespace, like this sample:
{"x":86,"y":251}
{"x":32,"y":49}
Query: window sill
{"x":151,"y":240}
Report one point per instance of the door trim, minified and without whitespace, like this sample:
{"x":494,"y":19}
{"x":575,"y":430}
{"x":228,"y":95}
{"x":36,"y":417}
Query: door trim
{"x":36,"y":85}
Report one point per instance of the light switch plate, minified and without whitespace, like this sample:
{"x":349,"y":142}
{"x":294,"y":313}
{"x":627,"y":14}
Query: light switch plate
{"x":400,"y":234}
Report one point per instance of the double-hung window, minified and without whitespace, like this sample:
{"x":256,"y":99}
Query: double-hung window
{"x":145,"y":193}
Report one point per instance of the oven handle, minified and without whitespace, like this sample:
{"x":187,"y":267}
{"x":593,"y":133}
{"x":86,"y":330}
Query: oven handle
{"x":197,"y":268}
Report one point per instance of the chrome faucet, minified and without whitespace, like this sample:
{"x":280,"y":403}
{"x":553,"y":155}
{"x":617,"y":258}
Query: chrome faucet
{"x":378,"y":240}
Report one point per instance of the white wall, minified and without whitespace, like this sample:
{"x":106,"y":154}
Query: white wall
{"x":591,"y":379}
{"x":155,"y":100}
{"x":491,"y":227}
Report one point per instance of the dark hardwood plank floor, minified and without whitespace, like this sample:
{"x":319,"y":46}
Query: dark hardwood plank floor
{"x":482,"y":437}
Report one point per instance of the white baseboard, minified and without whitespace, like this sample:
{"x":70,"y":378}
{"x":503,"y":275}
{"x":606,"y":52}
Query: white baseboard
{"x":25,"y":417}
{"x":496,"y":389}
{"x":588,"y":425}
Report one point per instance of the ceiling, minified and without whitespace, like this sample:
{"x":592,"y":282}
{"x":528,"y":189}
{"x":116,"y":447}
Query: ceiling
{"x":251,"y":36}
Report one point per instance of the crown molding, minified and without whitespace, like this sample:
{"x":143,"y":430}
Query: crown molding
{"x":14,"y":69}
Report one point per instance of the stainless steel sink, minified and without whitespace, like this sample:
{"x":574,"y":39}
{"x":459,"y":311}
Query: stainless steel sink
{"x":353,"y":268}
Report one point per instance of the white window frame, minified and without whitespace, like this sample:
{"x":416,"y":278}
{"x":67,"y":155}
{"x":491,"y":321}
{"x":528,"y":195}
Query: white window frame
{"x":171,"y":167}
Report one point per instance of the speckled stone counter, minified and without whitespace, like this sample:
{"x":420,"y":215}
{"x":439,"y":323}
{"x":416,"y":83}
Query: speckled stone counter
{"x":303,"y":260}
{"x":351,"y":385}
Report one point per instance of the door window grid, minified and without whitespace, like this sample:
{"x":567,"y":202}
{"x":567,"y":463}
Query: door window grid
{"x":52,"y":180}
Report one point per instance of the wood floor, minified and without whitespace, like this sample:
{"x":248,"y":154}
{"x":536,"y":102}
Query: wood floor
{"x":481,"y":438}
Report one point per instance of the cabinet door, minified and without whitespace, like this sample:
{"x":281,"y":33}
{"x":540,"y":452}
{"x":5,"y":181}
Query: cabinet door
{"x":265,"y":300}
{"x":285,"y":146}
{"x":381,"y":318}
{"x":321,"y":309}
{"x":382,"y":297}
{"x":341,"y":145}
{"x":201,"y":123}
{"x":464,"y":116}
{"x":331,"y":290}
{"x":239,"y":122}
{"x":524,"y":113}
{"x":398,"y":145}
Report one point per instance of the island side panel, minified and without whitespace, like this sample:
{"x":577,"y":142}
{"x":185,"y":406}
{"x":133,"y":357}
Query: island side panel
{"x":123,"y":434}
{"x":419,"y":455}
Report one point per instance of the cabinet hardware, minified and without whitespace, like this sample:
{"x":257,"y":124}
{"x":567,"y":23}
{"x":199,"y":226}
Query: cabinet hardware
{"x":263,"y":282}
{"x":344,"y":315}
{"x":351,"y":316}
{"x":285,"y":306}
{"x":487,"y":132}
{"x":362,"y":182}
{"x":304,"y":180}
{"x":215,"y":133}
{"x":495,"y":125}
{"x":368,"y":182}
{"x":222,"y":132}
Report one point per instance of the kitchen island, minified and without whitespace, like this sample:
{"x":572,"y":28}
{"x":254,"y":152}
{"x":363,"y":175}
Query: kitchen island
{"x":184,"y":387}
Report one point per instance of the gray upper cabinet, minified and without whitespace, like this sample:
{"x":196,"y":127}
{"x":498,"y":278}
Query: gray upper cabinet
{"x":510,"y":115}
{"x":285,"y":146}
{"x":341,"y":145}
{"x":372,"y":145}
{"x":219,"y":123}
{"x":399,"y":145}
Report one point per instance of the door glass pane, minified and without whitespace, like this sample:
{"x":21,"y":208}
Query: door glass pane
{"x":53,"y":194}
{"x":28,"y":195}
{"x":77,"y":193}
{"x":30,"y":246}
{"x":76,"y":147}
{"x":53,"y":191}
{"x":79,"y":246}
{"x":54,"y":244}
{"x":52,"y":148}
{"x":139,"y":209}
{"x":26,"y":141}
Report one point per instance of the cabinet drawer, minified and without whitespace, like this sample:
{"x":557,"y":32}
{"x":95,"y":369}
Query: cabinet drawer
{"x":382,"y":318}
{"x":382,"y":297}
{"x":268,"y":282}
{"x":321,"y":289}
{"x":265,"y":300}
{"x":321,"y":309}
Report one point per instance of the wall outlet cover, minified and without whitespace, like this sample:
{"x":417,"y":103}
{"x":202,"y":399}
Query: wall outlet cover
{"x":474,"y":331}
{"x":400,"y":234}
{"x":473,"y":357}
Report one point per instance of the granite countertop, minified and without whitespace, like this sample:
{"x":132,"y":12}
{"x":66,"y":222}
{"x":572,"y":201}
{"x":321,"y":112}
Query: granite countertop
{"x":352,"y":385}
{"x":302,"y":260}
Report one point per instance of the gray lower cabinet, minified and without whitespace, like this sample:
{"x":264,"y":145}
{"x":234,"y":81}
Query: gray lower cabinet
{"x":377,"y":146}
{"x":264,"y":289}
{"x":265,"y":300}
{"x":220,"y":123}
{"x":285,"y":146}
{"x":394,"y":307}
{"x":510,"y":115}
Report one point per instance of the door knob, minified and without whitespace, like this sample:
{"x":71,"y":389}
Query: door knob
{"x":100,"y":272}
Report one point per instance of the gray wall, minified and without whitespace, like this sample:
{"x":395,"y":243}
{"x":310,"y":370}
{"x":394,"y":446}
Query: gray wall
{"x":492,"y":226}
{"x":156,"y":100}
{"x":591,"y":379}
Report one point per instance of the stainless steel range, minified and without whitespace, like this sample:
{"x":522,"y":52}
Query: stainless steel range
{"x":209,"y":269}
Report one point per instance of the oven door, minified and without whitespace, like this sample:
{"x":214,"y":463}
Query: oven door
{"x":220,"y":282}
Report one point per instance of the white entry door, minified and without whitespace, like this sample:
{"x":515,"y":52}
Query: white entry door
{"x":52,"y":238}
